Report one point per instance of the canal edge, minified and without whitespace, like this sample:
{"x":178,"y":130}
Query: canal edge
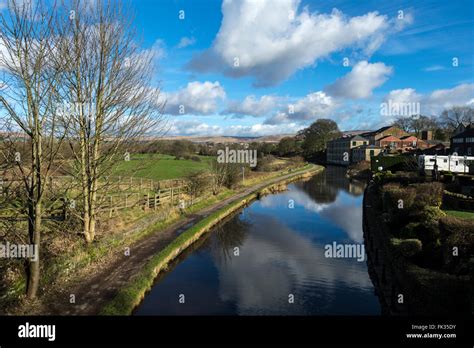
{"x":132,"y":294}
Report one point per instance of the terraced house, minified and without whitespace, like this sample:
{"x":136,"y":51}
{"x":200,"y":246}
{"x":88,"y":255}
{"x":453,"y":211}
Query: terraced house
{"x":463,"y":143}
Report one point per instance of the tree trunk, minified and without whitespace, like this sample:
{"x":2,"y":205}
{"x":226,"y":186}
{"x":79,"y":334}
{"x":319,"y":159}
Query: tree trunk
{"x":34,"y":267}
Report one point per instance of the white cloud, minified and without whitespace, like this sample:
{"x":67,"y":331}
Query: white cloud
{"x":434,"y":68}
{"x":272,"y":39}
{"x":252,"y":106}
{"x":198,"y":98}
{"x":158,"y":49}
{"x":406,"y":95}
{"x":436,"y":101}
{"x":196,"y":128}
{"x":446,"y":98}
{"x":361,"y":81}
{"x":186,"y":41}
{"x":313,"y":106}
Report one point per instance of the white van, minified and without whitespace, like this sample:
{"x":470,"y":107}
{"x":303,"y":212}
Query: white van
{"x":453,"y":163}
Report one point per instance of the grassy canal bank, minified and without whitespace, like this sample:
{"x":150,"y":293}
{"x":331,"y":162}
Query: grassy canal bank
{"x":132,"y":294}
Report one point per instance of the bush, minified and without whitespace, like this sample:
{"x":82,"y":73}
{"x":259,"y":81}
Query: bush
{"x":198,"y":182}
{"x":408,"y":247}
{"x":457,"y":233}
{"x":265,"y":164}
{"x":397,"y":198}
{"x":429,"y":194}
{"x":410,"y":230}
{"x":430,"y":214}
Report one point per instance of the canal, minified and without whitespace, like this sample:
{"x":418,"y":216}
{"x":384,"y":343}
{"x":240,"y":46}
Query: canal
{"x":270,"y":258}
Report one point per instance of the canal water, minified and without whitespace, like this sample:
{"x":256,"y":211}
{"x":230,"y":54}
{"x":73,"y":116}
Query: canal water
{"x":269,"y":259}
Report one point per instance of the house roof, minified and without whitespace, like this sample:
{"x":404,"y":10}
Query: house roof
{"x":389,"y":137}
{"x":359,"y":138}
{"x":406,"y":137}
{"x":469,"y":132}
{"x":371,"y":147}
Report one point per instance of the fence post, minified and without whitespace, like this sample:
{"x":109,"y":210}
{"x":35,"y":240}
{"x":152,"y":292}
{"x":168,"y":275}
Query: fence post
{"x":111,"y":206}
{"x":154,"y":202}
{"x":171,"y":195}
{"x":147,"y":205}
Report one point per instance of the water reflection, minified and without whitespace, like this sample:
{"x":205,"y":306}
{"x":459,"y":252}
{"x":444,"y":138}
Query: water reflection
{"x":250,"y":264}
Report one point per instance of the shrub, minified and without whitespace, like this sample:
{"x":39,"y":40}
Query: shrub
{"x":429,"y":194}
{"x":410,"y":230}
{"x":430,"y":214}
{"x":407,"y":247}
{"x":398,"y":198}
{"x":457,"y":233}
{"x":198,"y":182}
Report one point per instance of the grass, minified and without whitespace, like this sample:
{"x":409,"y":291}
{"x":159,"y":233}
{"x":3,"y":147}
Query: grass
{"x":460,"y":214}
{"x":160,"y":167}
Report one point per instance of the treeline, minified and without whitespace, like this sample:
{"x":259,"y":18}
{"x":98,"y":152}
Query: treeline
{"x":442,"y":126}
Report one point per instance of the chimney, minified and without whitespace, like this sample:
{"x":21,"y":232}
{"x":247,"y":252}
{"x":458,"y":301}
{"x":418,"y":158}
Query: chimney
{"x":427,"y":135}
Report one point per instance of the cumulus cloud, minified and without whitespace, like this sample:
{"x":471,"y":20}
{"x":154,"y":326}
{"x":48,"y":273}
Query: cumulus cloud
{"x":312,"y":106}
{"x":436,"y":101}
{"x":361,"y":81}
{"x":186,"y":41}
{"x":404,"y":95}
{"x":158,"y":49}
{"x":253,"y":106}
{"x":197,"y":98}
{"x":270,"y":40}
{"x":446,"y":98}
{"x":197,"y":128}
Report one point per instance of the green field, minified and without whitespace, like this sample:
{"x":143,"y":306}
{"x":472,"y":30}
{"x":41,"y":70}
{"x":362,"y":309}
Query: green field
{"x":159,"y":167}
{"x":460,"y":214}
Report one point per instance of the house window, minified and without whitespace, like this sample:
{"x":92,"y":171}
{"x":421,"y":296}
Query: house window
{"x":469,"y":151}
{"x":354,"y":143}
{"x":371,"y":153}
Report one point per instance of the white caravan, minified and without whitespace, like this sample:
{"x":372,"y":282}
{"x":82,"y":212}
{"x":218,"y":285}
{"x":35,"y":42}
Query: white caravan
{"x":453,"y":163}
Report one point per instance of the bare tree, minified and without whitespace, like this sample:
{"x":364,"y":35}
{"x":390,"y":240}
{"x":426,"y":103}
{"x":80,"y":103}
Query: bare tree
{"x":453,"y":117}
{"x":27,"y":101}
{"x":107,"y":92}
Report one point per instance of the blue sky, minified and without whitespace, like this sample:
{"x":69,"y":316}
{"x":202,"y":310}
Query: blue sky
{"x":303,"y":60}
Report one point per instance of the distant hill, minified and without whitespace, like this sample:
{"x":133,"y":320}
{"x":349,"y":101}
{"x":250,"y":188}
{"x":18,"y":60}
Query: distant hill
{"x":230,"y":139}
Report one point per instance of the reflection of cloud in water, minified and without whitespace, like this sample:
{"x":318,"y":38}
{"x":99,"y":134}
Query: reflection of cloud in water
{"x":276,"y":261}
{"x":299,"y":196}
{"x":345,"y":211}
